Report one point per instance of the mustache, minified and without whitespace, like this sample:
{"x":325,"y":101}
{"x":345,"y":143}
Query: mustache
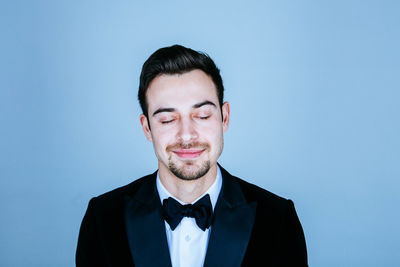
{"x":188,"y":146}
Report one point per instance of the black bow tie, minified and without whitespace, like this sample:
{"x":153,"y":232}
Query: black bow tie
{"x":173,"y":212}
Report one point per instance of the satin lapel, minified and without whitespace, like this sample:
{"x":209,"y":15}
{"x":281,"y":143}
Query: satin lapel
{"x":145,"y":227}
{"x":232,"y":225}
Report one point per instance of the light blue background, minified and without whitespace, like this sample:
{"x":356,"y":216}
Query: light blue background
{"x":314,"y":93}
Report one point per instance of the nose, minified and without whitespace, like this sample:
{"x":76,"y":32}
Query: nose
{"x":187,"y":131}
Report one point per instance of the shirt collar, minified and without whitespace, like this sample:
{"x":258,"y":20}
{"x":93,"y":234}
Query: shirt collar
{"x":213,"y":190}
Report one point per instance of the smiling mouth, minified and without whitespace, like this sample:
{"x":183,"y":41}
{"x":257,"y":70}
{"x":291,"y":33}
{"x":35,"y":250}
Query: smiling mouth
{"x":188,"y":153}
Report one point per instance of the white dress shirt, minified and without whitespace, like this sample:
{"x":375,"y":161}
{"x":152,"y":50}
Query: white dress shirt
{"x":188,"y":243}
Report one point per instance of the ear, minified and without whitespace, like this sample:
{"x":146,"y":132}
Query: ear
{"x":226,"y":112}
{"x":145,"y":126}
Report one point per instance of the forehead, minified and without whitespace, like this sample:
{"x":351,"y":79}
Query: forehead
{"x":180,"y":90}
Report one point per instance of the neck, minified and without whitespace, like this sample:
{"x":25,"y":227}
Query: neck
{"x":186,"y":190}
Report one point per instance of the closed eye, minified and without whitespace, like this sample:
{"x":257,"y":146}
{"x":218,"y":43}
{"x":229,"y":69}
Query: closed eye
{"x":204,"y":117}
{"x":166,"y":122}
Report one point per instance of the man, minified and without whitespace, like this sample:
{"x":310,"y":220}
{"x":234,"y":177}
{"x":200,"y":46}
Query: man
{"x":191,"y":212}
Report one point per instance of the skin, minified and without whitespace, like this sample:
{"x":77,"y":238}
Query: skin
{"x":187,"y":130}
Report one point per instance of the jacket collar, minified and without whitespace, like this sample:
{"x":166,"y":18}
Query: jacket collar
{"x":145,"y":226}
{"x":232,"y":225}
{"x":230,"y":231}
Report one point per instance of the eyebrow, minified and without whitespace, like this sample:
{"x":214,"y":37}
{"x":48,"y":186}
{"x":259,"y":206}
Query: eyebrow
{"x":163,"y":110}
{"x":198,"y":105}
{"x":207,"y":102}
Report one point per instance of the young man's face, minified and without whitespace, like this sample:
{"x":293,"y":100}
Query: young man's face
{"x":186,"y":124}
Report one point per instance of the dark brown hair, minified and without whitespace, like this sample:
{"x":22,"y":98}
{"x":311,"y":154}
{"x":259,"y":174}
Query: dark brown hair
{"x":177,"y":59}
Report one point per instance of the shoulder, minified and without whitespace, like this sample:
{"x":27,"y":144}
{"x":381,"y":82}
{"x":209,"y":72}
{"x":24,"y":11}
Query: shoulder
{"x":276,"y":221}
{"x":253,"y":193}
{"x":270,"y":207}
{"x":115,"y":197}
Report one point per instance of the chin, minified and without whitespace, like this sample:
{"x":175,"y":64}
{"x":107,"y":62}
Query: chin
{"x":189,"y":171}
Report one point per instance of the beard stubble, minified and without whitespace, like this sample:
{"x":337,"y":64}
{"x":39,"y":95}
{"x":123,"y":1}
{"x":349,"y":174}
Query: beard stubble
{"x":188,"y":170}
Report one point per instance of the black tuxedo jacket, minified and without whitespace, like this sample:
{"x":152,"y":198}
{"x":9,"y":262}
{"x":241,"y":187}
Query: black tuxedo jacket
{"x":251,"y":227}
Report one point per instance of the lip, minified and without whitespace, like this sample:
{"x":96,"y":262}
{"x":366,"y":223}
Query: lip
{"x":188,"y":153}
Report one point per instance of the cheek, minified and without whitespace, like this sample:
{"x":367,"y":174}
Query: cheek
{"x":210,"y":126}
{"x":213,"y":134}
{"x":162,"y":139}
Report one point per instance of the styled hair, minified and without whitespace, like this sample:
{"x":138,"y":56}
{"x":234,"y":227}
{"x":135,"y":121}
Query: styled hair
{"x":177,"y":59}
